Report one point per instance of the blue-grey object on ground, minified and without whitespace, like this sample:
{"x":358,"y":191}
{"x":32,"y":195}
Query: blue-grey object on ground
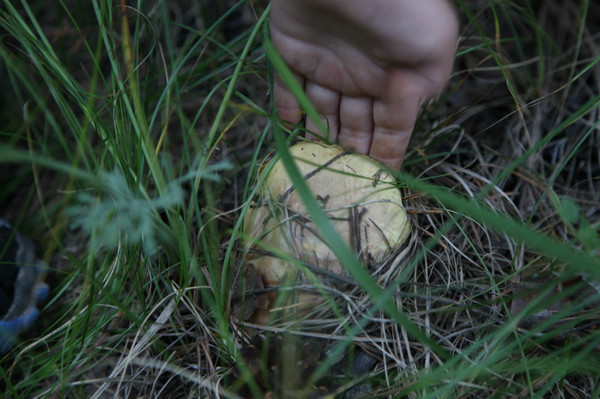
{"x":21,"y":285}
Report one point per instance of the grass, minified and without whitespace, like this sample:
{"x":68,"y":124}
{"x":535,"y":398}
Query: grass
{"x":129,"y":142}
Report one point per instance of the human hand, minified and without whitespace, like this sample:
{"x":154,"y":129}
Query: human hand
{"x":365,"y":66}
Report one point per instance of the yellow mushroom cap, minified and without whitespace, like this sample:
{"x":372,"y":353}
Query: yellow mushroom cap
{"x":359,"y":196}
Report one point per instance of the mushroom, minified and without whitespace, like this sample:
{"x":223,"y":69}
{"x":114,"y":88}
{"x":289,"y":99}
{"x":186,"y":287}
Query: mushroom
{"x":359,"y":196}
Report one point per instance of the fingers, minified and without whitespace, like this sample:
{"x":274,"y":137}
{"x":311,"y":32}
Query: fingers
{"x":380,"y":129}
{"x":393,"y":126}
{"x":327,"y":103}
{"x":389,"y":146}
{"x":356,"y":124}
{"x":287,"y":107}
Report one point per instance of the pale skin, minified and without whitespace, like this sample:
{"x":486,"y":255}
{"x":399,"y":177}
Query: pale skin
{"x":366,"y":66}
